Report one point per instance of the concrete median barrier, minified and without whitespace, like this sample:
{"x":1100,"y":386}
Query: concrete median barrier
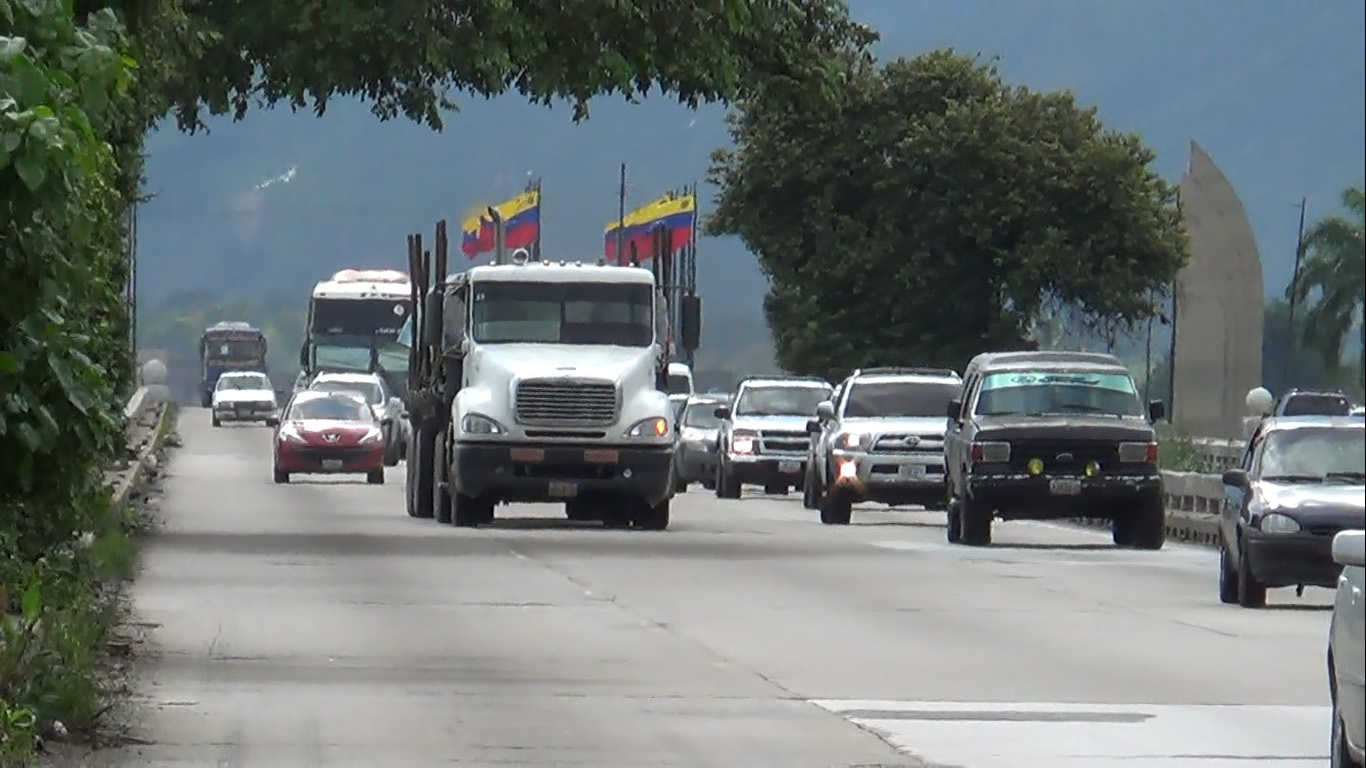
{"x":1193,"y":501}
{"x":149,"y":417}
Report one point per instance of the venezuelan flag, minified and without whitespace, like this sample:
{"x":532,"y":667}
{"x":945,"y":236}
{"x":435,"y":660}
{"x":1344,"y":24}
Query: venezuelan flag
{"x":521,"y":225}
{"x":675,"y":213}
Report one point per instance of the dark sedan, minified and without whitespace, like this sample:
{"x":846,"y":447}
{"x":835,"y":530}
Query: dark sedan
{"x":1302,"y":480}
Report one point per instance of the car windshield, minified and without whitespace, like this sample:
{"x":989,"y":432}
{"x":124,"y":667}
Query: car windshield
{"x":339,"y":408}
{"x":702,"y":416}
{"x":777,"y":400}
{"x":366,"y":389}
{"x":1058,"y":392}
{"x":1317,"y":405}
{"x":620,"y":314}
{"x":251,"y":383}
{"x":1315,"y":453}
{"x":899,"y":399}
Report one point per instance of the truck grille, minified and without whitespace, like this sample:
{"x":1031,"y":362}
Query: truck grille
{"x":1063,"y":456}
{"x":909,"y":444}
{"x":560,"y":402}
{"x":793,"y":442}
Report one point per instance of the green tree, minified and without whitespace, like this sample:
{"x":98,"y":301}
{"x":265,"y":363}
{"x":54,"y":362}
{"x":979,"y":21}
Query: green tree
{"x":933,"y":210}
{"x":1332,"y":284}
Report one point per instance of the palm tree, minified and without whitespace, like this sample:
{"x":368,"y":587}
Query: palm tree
{"x":1334,"y":273}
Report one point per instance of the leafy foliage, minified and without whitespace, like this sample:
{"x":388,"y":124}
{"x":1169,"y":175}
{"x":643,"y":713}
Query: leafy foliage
{"x":63,"y":346}
{"x":1334,"y":276}
{"x":951,"y":205}
{"x":408,"y":58}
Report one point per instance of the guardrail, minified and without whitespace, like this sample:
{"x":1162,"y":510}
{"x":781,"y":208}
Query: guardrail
{"x":144,"y":418}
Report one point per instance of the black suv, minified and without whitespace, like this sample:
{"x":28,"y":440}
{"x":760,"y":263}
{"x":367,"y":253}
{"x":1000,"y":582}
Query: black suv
{"x":1048,"y":436}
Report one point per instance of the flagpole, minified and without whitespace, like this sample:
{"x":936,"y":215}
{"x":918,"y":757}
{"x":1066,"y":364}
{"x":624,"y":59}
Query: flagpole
{"x":621,"y":211}
{"x":540,"y":225}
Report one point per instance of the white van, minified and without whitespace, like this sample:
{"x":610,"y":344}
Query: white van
{"x":680,"y":385}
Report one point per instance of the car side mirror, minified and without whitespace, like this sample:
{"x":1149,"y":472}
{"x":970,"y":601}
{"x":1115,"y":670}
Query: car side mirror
{"x":813,"y":426}
{"x":955,"y":410}
{"x":1157,"y":411}
{"x":825,"y":410}
{"x":396,"y":404}
{"x":722,"y":412}
{"x":1236,"y":477}
{"x":1349,"y":548}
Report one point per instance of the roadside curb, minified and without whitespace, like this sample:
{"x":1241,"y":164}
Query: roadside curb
{"x":153,"y":424}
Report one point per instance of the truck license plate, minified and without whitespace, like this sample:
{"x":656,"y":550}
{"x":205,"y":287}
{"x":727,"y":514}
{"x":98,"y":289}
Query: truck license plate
{"x":564,"y":490}
{"x":332,"y":465}
{"x":789,"y":466}
{"x":1064,"y":487}
{"x":911,"y":471}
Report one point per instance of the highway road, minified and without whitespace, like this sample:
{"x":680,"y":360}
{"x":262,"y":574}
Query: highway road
{"x":315,"y":624}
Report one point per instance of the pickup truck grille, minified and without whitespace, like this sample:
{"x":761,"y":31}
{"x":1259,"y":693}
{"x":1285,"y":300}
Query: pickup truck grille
{"x":566,"y":403}
{"x":781,"y":441}
{"x":909,"y":444}
{"x":1064,"y":456}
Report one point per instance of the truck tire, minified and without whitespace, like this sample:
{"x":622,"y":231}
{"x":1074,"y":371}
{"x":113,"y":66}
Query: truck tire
{"x":1143,"y":526}
{"x":375,"y":477}
{"x":214,"y":420}
{"x":391,"y":447}
{"x":442,"y":506}
{"x":470,"y":512}
{"x":837,"y":508}
{"x":974,"y":523}
{"x":727,"y":487}
{"x":648,"y":518}
{"x":206,"y":400}
{"x":418,"y":487}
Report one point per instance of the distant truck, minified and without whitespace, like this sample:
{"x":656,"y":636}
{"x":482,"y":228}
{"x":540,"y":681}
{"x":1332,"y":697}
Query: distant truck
{"x":354,"y":319}
{"x":228,"y":346}
{"x":542,"y":382}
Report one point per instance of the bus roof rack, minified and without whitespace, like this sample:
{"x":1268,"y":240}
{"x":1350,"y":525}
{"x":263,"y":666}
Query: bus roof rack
{"x":906,"y":371}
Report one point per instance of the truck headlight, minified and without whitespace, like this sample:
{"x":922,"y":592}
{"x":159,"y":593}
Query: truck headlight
{"x":474,"y":424}
{"x":1138,"y":453}
{"x":655,"y":426}
{"x":852,"y":441}
{"x":1275,"y":522}
{"x":742,"y":441}
{"x":991,"y":452}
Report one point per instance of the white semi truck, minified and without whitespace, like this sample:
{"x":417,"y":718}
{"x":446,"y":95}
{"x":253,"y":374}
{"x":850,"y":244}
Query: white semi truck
{"x":536,"y":381}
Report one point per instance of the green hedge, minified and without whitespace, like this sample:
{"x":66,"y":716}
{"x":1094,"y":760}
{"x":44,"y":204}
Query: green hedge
{"x":64,"y":356}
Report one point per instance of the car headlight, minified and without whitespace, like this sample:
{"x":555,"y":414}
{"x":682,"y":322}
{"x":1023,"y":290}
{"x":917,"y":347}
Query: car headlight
{"x":290,"y":435}
{"x":743,"y":441}
{"x":655,"y":426}
{"x":475,"y":424}
{"x":853,"y":441}
{"x":1275,"y":522}
{"x":374,"y":435}
{"x":991,"y":452}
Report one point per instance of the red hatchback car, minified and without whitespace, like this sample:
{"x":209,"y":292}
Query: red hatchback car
{"x":329,"y":433}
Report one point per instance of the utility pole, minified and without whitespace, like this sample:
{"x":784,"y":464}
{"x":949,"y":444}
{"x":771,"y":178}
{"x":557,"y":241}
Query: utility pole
{"x":621,"y":212}
{"x":1295,"y":281}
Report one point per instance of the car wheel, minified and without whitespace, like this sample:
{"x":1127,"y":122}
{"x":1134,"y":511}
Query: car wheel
{"x":375,"y":477}
{"x":281,"y":477}
{"x":806,"y":487}
{"x":1338,"y":755}
{"x":1251,"y":594}
{"x":1228,"y":577}
{"x":272,"y":422}
{"x":215,"y":421}
{"x":953,"y":524}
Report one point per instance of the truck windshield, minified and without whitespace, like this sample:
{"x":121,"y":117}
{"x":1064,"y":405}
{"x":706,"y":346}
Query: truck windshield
{"x":780,"y":401}
{"x":563,"y":313}
{"x":1058,"y":392}
{"x":679,"y":384}
{"x":899,"y":399}
{"x":234,"y":349}
{"x":360,"y":318}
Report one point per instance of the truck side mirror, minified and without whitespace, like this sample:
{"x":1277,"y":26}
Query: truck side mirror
{"x":722,"y":412}
{"x":1157,"y":410}
{"x":690,"y":323}
{"x":825,"y":410}
{"x":955,"y":410}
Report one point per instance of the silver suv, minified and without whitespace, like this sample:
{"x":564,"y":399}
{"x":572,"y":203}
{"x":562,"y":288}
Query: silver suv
{"x":880,"y":438}
{"x":763,"y":438}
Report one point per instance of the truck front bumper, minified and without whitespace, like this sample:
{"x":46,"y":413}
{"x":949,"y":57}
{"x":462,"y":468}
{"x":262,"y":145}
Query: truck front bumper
{"x":913,"y":478}
{"x":532,"y":472}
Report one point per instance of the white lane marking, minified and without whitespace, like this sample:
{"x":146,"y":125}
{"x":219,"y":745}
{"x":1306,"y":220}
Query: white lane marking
{"x":1071,"y":735}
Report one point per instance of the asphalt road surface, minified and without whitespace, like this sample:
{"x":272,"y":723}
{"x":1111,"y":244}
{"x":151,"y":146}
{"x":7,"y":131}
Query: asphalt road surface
{"x":315,"y":624}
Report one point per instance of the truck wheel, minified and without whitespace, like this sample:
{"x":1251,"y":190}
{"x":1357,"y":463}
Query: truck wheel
{"x":776,"y":489}
{"x":441,"y":494}
{"x":837,"y":508}
{"x":619,"y":512}
{"x":206,"y":400}
{"x":648,"y":518}
{"x":1144,"y":526}
{"x":390,"y":451}
{"x":727,"y":487}
{"x":1251,"y":593}
{"x":953,"y":522}
{"x":375,"y":477}
{"x":974,"y":523}
{"x":419,"y":485}
{"x":214,"y":420}
{"x":470,"y":512}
